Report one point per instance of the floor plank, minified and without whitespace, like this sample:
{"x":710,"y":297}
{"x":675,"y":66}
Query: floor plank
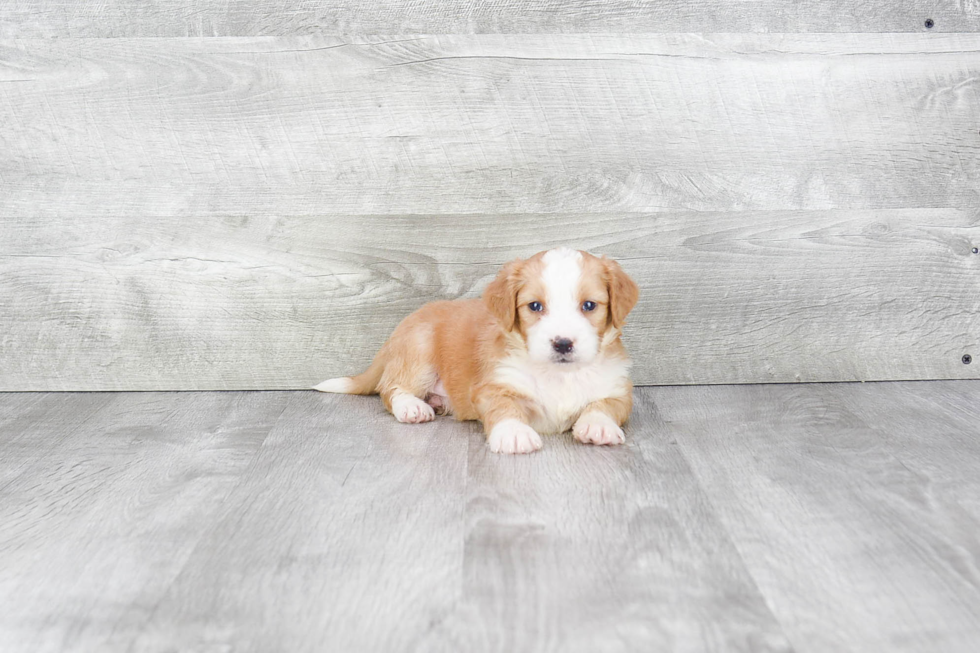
{"x":960,"y":401}
{"x":15,"y":404}
{"x":829,"y":517}
{"x":96,"y":528}
{"x":934,"y":430}
{"x":581,"y":548}
{"x":31,"y":424}
{"x":852,"y":548}
{"x":345,"y":534}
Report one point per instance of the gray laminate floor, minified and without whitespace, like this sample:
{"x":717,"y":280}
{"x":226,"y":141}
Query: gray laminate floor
{"x":794,"y":517}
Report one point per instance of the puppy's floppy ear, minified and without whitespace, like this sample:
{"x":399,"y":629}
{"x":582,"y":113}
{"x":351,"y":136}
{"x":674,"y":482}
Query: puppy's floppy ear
{"x":501,"y":295}
{"x":623,"y":292}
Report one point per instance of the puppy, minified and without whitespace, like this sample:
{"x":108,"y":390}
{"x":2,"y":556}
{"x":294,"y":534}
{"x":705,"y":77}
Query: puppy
{"x":539,"y":353}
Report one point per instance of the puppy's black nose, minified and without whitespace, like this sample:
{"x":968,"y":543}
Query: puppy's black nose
{"x":562,"y":345}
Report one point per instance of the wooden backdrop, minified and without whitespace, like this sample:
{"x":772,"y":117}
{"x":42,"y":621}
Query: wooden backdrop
{"x":214,"y":195}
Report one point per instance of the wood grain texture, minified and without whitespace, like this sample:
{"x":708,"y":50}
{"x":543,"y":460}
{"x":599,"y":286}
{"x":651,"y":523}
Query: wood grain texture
{"x":855,"y":549}
{"x":14,"y":405}
{"x":284,"y":302}
{"x":99,"y":524}
{"x":785,"y":517}
{"x":583,"y":548}
{"x":119,"y":18}
{"x":33,"y":423}
{"x":488,"y":124}
{"x":345,"y":534}
{"x":947,"y":463}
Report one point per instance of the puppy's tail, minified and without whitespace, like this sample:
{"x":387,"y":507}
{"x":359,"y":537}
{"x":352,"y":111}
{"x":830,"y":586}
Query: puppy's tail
{"x":365,"y":383}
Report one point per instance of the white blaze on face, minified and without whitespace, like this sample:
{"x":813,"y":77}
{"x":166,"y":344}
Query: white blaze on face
{"x":563,"y":314}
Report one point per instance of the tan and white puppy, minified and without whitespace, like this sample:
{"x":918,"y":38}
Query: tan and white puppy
{"x":540,"y":353}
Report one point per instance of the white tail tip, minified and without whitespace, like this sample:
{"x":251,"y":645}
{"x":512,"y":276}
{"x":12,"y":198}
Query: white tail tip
{"x":341,"y":385}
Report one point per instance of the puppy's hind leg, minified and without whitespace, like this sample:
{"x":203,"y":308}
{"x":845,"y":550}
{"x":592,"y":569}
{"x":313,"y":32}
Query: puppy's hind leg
{"x":408,"y":377}
{"x":410,"y":409}
{"x":401,"y":397}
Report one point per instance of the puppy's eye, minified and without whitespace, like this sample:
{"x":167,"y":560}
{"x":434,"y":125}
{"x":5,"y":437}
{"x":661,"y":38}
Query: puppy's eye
{"x":535,"y":306}
{"x":588,"y":306}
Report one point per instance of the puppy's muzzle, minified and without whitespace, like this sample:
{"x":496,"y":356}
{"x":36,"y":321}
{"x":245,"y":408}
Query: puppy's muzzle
{"x":562,"y":345}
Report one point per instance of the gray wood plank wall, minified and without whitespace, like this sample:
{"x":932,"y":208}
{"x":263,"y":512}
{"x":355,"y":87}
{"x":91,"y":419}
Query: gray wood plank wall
{"x":117,"y":18}
{"x":489,"y":124}
{"x":271,"y":301}
{"x":260,"y":211}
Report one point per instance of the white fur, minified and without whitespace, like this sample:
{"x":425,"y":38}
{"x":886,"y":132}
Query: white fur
{"x":342,"y":385}
{"x":513,"y":436}
{"x":594,"y":427}
{"x":563,"y":316}
{"x":561,"y":392}
{"x":410,"y":409}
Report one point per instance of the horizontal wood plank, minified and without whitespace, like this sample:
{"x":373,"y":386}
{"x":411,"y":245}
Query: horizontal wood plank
{"x":488,"y":124}
{"x":284,"y":302}
{"x":119,"y":18}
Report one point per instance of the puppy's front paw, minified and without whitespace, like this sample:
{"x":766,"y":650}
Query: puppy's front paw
{"x":597,"y":428}
{"x":411,"y":410}
{"x":513,"y":436}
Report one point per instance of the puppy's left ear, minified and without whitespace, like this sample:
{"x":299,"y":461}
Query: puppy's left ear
{"x":623,"y":292}
{"x":501,"y":295}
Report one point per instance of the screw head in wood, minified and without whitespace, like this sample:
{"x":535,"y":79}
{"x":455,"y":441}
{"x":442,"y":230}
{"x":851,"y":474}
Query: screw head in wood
{"x":930,"y":23}
{"x":967,"y":359}
{"x":975,"y":250}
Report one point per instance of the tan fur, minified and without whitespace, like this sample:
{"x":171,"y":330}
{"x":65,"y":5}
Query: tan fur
{"x":461,"y":343}
{"x":618,"y":408}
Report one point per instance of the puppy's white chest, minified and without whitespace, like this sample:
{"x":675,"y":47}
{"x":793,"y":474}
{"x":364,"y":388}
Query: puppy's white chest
{"x":560,"y":395}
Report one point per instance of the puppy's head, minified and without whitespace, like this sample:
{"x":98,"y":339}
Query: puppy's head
{"x":563,"y":303}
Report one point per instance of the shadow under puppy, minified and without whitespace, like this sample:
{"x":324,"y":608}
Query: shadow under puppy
{"x":539,"y":353}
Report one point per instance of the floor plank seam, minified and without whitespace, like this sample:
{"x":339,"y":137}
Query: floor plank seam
{"x":214,"y":523}
{"x":716,"y":515}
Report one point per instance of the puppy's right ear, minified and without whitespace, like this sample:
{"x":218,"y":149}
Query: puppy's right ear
{"x":501,"y":295}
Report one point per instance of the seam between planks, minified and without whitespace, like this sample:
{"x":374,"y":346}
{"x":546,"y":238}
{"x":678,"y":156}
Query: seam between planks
{"x":713,"y":506}
{"x":177,"y":572}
